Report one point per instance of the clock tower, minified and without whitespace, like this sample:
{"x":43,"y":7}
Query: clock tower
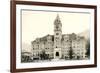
{"x":57,"y":37}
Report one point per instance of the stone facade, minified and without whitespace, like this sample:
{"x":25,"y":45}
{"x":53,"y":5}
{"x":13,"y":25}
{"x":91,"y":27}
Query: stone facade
{"x":60,"y":46}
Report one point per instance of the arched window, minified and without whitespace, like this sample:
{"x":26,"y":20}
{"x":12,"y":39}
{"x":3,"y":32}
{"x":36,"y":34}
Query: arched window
{"x":57,"y":33}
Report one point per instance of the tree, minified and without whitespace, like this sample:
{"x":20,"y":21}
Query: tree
{"x":88,"y":48}
{"x":71,"y":49}
{"x":70,"y":53}
{"x":43,"y":55}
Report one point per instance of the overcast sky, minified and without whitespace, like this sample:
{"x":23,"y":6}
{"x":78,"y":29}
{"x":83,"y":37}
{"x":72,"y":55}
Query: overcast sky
{"x":40,"y":23}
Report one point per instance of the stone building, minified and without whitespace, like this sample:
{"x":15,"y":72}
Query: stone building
{"x":60,"y":46}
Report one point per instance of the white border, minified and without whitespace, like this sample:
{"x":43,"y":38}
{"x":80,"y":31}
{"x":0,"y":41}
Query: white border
{"x":20,"y":65}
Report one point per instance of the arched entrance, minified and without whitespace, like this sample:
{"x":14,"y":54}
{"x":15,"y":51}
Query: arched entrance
{"x":57,"y":53}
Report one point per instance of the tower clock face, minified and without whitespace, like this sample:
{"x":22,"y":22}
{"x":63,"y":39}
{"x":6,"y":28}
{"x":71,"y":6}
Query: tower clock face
{"x":57,"y":38}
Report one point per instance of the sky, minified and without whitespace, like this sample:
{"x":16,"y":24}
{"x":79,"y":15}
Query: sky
{"x":37,"y":24}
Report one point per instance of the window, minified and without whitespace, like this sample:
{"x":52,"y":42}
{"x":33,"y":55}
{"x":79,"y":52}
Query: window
{"x":57,"y":33}
{"x":48,"y":54}
{"x":38,"y":46}
{"x":57,"y":27}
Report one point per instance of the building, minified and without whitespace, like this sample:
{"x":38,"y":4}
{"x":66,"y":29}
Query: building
{"x":60,"y":46}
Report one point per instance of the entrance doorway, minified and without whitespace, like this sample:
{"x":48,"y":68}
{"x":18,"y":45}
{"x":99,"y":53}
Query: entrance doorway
{"x":57,"y":53}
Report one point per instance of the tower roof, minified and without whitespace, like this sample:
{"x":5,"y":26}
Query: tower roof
{"x":57,"y":17}
{"x":57,"y":20}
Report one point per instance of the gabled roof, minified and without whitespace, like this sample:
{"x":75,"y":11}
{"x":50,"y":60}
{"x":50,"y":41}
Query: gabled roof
{"x":72,"y":36}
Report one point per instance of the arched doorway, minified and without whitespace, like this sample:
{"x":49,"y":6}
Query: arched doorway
{"x":57,"y":53}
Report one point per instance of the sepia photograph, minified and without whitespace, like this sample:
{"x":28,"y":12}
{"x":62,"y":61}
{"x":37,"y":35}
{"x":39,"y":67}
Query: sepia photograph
{"x":55,"y":36}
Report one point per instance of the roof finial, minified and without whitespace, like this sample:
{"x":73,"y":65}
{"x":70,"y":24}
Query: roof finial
{"x":57,"y":16}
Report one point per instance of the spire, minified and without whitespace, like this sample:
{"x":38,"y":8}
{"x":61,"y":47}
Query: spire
{"x":57,"y":20}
